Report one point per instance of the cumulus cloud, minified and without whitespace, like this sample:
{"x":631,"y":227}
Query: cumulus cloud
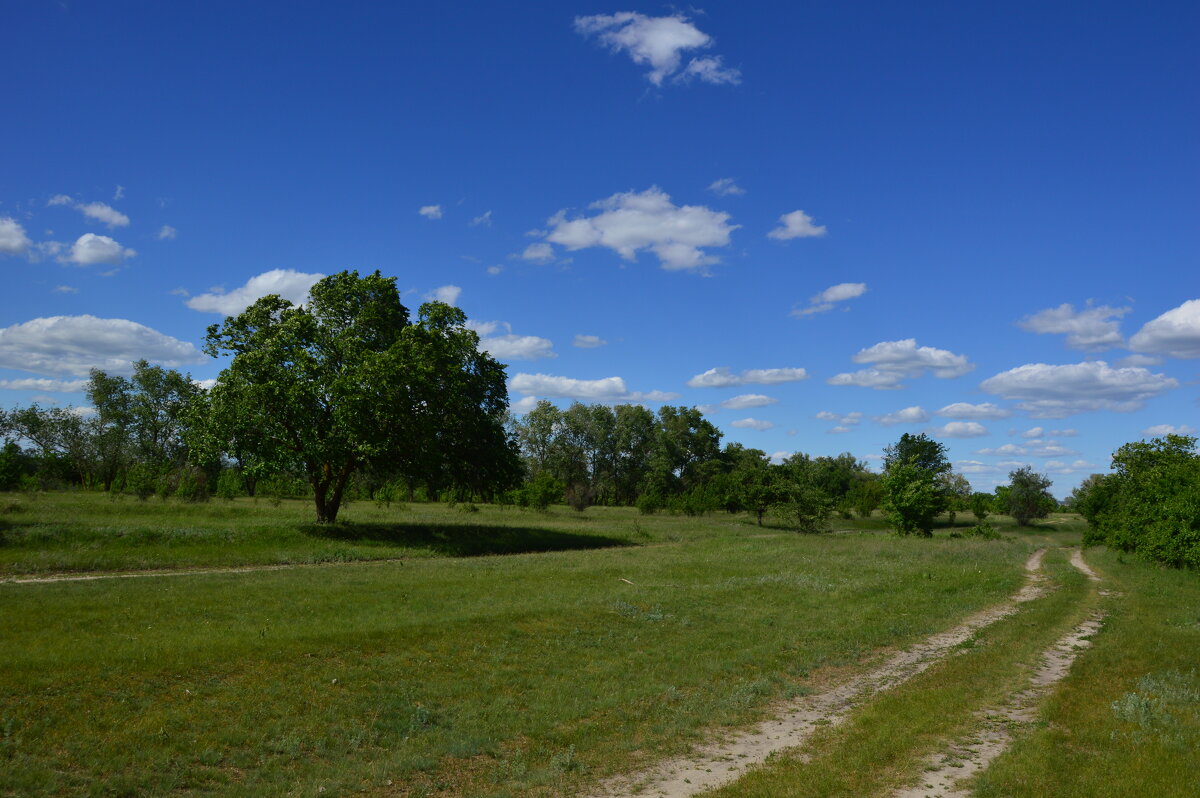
{"x":104,"y":213}
{"x":752,"y":423}
{"x":74,"y":345}
{"x":13,"y":240}
{"x":633,"y":221}
{"x":1042,"y":432}
{"x":796,"y":224}
{"x":59,"y":199}
{"x":1060,"y":391}
{"x":1060,"y":467}
{"x":960,"y":429}
{"x":1161,"y":430}
{"x":1034,"y":448}
{"x":722,"y":377}
{"x":974,"y":467}
{"x":523,"y":405}
{"x":287,"y":283}
{"x":517,"y":347}
{"x":844,"y":421}
{"x":431,"y":211}
{"x":91,"y":249}
{"x":893,"y":361}
{"x":909,"y":415}
{"x":540,"y":252}
{"x":42,"y":384}
{"x":166,"y":232}
{"x":607,"y":389}
{"x":829,"y":297}
{"x":748,"y":400}
{"x":494,"y":270}
{"x":65,"y":289}
{"x":979,"y":412}
{"x":508,"y":346}
{"x":659,"y":43}
{"x":1175,"y":333}
{"x":1090,"y":328}
{"x":588,"y":341}
{"x":445,"y":293}
{"x":726,"y":187}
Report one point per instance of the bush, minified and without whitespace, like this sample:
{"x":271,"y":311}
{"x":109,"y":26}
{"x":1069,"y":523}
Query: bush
{"x":580,"y":496}
{"x":807,"y":511}
{"x":983,"y":530}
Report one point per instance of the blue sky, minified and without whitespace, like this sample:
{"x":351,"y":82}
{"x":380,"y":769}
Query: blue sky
{"x":826,"y":223}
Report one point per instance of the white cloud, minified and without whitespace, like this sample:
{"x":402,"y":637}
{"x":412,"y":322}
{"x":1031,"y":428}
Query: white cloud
{"x":632,"y":221}
{"x":825,"y":300}
{"x":431,"y":211}
{"x":1060,"y":467}
{"x":839,"y":429}
{"x":722,"y":377}
{"x":166,"y":232}
{"x":1161,"y":430}
{"x":752,"y":423}
{"x":541,"y":252}
{"x":59,"y":199}
{"x":494,"y":270}
{"x":1139,"y":360}
{"x":974,"y":467}
{"x":726,"y":187}
{"x":59,"y":345}
{"x":445,"y":293}
{"x":1175,"y":333}
{"x":588,"y":341}
{"x":607,"y":389}
{"x":777,"y":458}
{"x":844,"y":422}
{"x":287,"y":283}
{"x":42,"y":384}
{"x":748,"y":400}
{"x":1061,"y":391}
{"x":105,"y":214}
{"x":658,"y":42}
{"x":1091,"y":329}
{"x":1042,"y":432}
{"x":523,"y":405}
{"x":909,"y":415}
{"x":965,"y":410}
{"x":1034,"y":448}
{"x":869,"y":378}
{"x":205,"y":384}
{"x":91,"y":249}
{"x":13,"y":240}
{"x":517,"y":347}
{"x":484,"y":219}
{"x":796,"y":224}
{"x":895,"y":360}
{"x":65,"y":289}
{"x":119,"y":193}
{"x":960,"y":429}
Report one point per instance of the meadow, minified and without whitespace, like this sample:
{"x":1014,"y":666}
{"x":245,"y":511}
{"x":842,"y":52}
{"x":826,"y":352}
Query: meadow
{"x":461,"y":650}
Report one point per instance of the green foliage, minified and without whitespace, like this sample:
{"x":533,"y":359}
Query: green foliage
{"x":915,"y":485}
{"x":980,"y":504}
{"x":806,"y":509}
{"x":347,"y":382}
{"x":229,"y":484}
{"x":540,"y":492}
{"x":1150,"y":504}
{"x":1027,"y":497}
{"x":983,"y":530}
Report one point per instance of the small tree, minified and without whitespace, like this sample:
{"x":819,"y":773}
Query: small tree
{"x":915,"y":490}
{"x":1027,"y":496}
{"x":981,"y":505}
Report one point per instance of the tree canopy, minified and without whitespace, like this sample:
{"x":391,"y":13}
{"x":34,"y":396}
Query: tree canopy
{"x":347,"y":381}
{"x":914,"y":484}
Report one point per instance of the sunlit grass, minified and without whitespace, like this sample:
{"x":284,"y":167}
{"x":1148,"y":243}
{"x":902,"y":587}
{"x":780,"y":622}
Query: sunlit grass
{"x":483,"y":675}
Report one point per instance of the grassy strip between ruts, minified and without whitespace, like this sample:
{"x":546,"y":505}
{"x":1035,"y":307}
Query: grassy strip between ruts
{"x":1126,"y":721}
{"x":886,"y":741}
{"x":494,"y":676}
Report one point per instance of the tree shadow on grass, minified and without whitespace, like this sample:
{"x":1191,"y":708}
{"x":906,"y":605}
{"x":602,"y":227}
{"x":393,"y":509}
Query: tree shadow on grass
{"x":462,"y":540}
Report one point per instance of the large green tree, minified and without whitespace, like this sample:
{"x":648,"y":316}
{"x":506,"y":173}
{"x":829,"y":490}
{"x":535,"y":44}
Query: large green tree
{"x":1028,"y":496}
{"x":915,"y":490}
{"x":347,"y":381}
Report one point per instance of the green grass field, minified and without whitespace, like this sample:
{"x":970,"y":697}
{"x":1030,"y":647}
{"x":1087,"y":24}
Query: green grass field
{"x":500,"y":652}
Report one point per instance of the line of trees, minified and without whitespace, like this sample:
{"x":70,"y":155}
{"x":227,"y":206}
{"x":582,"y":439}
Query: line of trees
{"x":1149,"y":504}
